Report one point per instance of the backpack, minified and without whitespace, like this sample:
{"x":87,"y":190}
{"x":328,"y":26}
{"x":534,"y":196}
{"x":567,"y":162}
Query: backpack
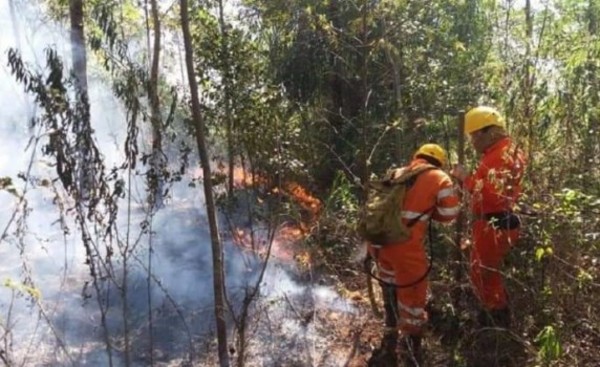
{"x":380,"y":218}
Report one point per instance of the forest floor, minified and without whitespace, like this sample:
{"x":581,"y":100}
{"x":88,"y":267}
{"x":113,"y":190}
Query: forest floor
{"x":331,"y":257}
{"x":452,"y":337}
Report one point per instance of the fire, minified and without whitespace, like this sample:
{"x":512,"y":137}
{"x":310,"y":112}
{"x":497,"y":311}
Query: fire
{"x":285,"y":240}
{"x":302,"y":197}
{"x":287,"y":235}
{"x":290,"y":233}
{"x":242,"y":179}
{"x":282,"y":247}
{"x":293,"y":190}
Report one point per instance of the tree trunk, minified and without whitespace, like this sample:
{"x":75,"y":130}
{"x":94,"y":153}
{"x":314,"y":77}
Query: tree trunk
{"x":78,"y":45}
{"x":591,"y":146}
{"x":155,"y":180}
{"x":218,"y":275}
{"x":528,"y":85}
{"x":81,"y":128}
{"x":226,"y":70}
{"x":461,"y":218}
{"x":157,"y":162}
{"x":394,"y":61}
{"x":364,"y":164}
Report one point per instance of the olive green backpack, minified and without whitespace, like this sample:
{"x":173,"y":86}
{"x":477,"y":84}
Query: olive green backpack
{"x":380,"y":218}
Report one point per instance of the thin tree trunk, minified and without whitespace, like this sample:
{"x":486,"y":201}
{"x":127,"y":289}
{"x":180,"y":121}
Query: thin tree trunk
{"x":218,"y":275}
{"x":460,"y":219}
{"x":507,"y":79}
{"x":364,"y":163}
{"x":592,"y":72}
{"x":82,"y":128}
{"x":157,"y":162}
{"x":125,"y":307}
{"x":78,"y":45}
{"x":155,"y":181}
{"x":398,"y":134}
{"x":528,"y":84}
{"x":241,"y":358}
{"x":227,"y":84}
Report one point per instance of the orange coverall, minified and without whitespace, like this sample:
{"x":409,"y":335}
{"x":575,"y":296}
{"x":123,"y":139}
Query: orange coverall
{"x":494,"y":187}
{"x":431,"y":196}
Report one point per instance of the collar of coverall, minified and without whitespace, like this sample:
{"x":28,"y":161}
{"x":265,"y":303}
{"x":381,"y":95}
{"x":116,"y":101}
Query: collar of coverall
{"x":417,"y":162}
{"x":503,"y":142}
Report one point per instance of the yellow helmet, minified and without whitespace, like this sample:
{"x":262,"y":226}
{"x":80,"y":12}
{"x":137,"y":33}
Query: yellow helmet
{"x":434,"y":151}
{"x":480,"y":117}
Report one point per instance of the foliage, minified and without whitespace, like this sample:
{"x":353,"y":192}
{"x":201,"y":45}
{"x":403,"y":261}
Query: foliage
{"x":550,"y":349}
{"x":34,"y":293}
{"x":325,"y":93}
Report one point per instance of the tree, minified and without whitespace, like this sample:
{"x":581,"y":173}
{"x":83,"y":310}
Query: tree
{"x":78,"y":44}
{"x":200,"y":128}
{"x":226,"y":74}
{"x":157,"y":160}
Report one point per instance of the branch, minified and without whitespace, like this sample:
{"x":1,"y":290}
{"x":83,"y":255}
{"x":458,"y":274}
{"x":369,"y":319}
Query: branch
{"x":385,"y":131}
{"x":355,"y":178}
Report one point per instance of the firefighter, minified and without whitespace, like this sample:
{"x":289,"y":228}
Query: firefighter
{"x":494,"y":187}
{"x":403,"y":267}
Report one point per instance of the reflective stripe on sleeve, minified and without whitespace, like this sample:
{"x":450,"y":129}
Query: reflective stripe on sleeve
{"x":449,"y":211}
{"x":444,"y":193}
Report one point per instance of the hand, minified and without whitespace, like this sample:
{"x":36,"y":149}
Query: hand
{"x":459,"y":172}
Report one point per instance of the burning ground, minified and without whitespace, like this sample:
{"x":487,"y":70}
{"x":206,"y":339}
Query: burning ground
{"x":299,"y":317}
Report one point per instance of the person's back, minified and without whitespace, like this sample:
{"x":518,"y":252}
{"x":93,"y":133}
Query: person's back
{"x":403,"y":266}
{"x":431,"y":196}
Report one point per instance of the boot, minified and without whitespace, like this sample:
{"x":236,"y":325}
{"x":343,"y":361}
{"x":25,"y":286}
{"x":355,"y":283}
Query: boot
{"x":411,"y":352}
{"x":385,"y":355}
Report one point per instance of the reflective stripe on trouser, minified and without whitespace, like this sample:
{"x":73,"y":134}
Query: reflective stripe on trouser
{"x":489,"y":249}
{"x":411,"y":300}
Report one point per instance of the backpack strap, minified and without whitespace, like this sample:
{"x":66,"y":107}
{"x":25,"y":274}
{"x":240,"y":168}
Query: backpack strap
{"x":406,"y":176}
{"x":410,"y":179}
{"x":414,"y":221}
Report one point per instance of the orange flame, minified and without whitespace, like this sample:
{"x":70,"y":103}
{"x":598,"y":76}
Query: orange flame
{"x":242,"y":179}
{"x":302,"y":197}
{"x":295,"y":191}
{"x":282,"y":246}
{"x":290,"y":233}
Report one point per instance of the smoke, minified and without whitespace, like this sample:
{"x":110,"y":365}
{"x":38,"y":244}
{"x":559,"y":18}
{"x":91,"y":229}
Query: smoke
{"x":48,"y":310}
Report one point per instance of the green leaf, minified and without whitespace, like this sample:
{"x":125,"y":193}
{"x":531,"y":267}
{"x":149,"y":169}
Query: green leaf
{"x":539,"y":253}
